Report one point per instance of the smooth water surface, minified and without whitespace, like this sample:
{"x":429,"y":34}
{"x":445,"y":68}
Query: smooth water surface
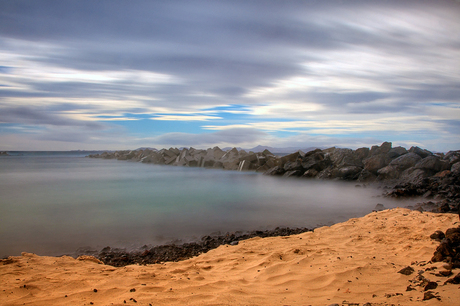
{"x":53,"y":204}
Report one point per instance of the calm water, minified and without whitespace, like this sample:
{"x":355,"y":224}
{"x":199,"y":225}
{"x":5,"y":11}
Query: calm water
{"x":54,"y":203}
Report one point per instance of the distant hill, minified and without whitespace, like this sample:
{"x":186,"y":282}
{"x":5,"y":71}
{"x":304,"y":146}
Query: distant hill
{"x":146,"y":148}
{"x":229,"y":148}
{"x":282,"y":150}
{"x":259,"y":148}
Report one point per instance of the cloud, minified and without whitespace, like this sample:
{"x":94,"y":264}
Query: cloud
{"x":36,"y":116}
{"x":229,"y":137}
{"x":338,"y":70}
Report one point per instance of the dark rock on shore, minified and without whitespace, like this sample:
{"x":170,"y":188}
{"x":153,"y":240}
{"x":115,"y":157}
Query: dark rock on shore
{"x":174,"y":252}
{"x":449,"y":248}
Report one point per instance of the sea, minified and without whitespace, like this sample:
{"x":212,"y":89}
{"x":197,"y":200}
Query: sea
{"x":56,"y":203}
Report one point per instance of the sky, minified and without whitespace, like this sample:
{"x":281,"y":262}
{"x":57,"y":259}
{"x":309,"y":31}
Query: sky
{"x":126,"y":74}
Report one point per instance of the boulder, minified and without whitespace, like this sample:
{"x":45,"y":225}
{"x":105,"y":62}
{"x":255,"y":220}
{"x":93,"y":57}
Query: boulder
{"x":288,"y":158}
{"x":388,"y":173}
{"x":169,"y":153}
{"x":250,"y":158}
{"x":413,"y":175}
{"x":292,"y":173}
{"x":274,"y":171}
{"x":270,"y":161}
{"x":432,"y":165}
{"x":396,"y":152}
{"x":267,"y":153}
{"x":407,"y":270}
{"x":348,"y":172}
{"x":263,"y":168}
{"x":215,"y":153}
{"x":327,"y":174}
{"x":374,"y":163}
{"x":231,"y":154}
{"x":405,"y":161}
{"x":155,"y":158}
{"x":310,"y":173}
{"x":293,"y":166}
{"x":421,"y":152}
{"x":208,"y":163}
{"x":345,"y":157}
{"x":218,"y":165}
{"x":170,"y":160}
{"x":366,"y":176}
{"x":382,"y":149}
{"x":455,"y":167}
{"x":231,"y":164}
{"x":362,"y":153}
{"x":452,"y":157}
{"x":315,"y":160}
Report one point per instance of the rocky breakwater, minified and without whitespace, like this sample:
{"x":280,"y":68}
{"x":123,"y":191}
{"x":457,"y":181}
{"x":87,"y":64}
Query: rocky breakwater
{"x":216,"y":158}
{"x":414,"y":172}
{"x":406,"y":173}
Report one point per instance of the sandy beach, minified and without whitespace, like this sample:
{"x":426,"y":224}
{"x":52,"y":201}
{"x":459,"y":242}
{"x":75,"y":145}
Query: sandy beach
{"x":356,"y":261}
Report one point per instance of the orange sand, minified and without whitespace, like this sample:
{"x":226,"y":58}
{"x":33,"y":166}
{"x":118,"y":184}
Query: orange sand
{"x":350,"y":262}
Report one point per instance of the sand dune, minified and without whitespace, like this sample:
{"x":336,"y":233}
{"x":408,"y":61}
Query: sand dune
{"x":351,"y":262}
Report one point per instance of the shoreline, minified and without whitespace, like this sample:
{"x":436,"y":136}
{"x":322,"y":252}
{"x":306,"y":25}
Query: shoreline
{"x":356,"y":261}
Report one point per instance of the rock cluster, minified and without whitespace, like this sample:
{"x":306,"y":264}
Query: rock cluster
{"x":177,"y":252}
{"x":449,"y":248}
{"x":233,"y":159}
{"x":379,"y":163}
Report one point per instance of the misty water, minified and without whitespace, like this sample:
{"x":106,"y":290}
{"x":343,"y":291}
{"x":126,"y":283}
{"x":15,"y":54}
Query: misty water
{"x":55,"y":203}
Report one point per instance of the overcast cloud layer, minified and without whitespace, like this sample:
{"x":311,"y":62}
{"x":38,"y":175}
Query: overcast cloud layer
{"x":124,"y":74}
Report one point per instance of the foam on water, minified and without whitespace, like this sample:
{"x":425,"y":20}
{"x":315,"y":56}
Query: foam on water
{"x":54,"y":204}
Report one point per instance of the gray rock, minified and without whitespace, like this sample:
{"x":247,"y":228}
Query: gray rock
{"x":263,"y":168}
{"x":362,"y":153}
{"x":455,"y":167}
{"x":429,"y":295}
{"x":170,"y":160}
{"x":382,"y":149}
{"x":293,"y":166}
{"x":388,"y":173}
{"x":288,"y":158}
{"x":292,"y":173}
{"x":405,"y":161}
{"x":218,"y":165}
{"x":407,"y":270}
{"x":396,"y":152}
{"x":349,"y":172}
{"x":421,"y":152}
{"x":413,"y":175}
{"x":231,"y":154}
{"x":345,"y":157}
{"x":244,"y":165}
{"x":215,"y":153}
{"x":432,"y":165}
{"x":310,"y":173}
{"x":274,"y":171}
{"x":316,"y":160}
{"x":374,"y":163}
{"x":366,"y":176}
{"x":452,"y":157}
{"x":379,"y":207}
